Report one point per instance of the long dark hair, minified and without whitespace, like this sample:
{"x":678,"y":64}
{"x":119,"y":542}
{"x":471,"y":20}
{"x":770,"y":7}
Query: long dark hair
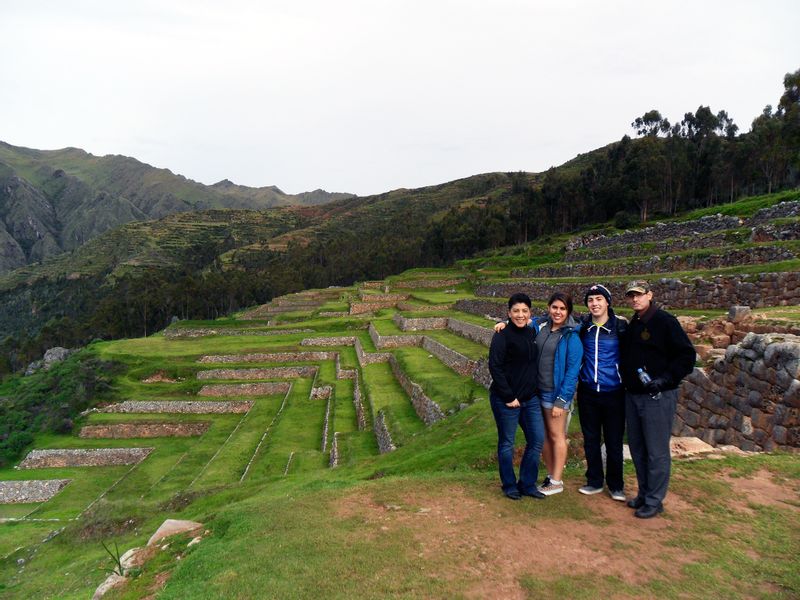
{"x":564,"y":297}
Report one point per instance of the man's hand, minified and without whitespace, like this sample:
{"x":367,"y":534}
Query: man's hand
{"x":659,"y":384}
{"x":513,"y":404}
{"x":498,"y":327}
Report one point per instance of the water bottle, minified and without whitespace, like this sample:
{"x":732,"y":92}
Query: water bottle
{"x":645,"y":378}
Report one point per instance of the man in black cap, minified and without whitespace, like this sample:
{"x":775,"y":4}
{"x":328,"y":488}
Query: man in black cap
{"x":656,"y":356}
{"x":601,"y":396}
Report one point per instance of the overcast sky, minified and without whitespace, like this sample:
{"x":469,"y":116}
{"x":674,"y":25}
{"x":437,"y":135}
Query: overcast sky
{"x":368,"y":96}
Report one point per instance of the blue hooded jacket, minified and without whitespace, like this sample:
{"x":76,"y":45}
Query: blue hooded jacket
{"x":601,"y":353}
{"x":567,"y":362}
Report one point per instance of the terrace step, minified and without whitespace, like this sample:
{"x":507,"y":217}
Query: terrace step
{"x":244,"y":389}
{"x":83,"y":457}
{"x":144,"y":429}
{"x":201,"y":407}
{"x":264,"y":373}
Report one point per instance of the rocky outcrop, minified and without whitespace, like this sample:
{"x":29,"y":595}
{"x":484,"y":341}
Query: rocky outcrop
{"x":51,"y":357}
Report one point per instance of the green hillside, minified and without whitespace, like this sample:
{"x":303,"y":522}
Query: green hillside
{"x":290,"y":483}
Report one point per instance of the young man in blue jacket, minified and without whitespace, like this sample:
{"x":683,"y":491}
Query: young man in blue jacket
{"x":601,"y":395}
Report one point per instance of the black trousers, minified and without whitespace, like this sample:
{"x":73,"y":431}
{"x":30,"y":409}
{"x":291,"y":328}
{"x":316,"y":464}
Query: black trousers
{"x":602,"y":417}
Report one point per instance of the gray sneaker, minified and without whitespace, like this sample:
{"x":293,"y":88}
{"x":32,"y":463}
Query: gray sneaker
{"x":590,"y":490}
{"x":618,"y":495}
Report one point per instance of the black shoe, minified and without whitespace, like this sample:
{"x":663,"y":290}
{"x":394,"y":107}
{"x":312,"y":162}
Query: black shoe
{"x":513,"y":494}
{"x":635,"y":502}
{"x":647,"y":512}
{"x":534,"y":493}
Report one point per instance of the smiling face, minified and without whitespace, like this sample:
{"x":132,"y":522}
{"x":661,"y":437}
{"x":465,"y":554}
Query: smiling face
{"x":598,"y":306}
{"x":558,"y":313}
{"x":519,"y":314}
{"x":639,"y":302}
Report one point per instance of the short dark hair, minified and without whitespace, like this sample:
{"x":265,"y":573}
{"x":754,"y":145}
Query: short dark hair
{"x":564,"y":297}
{"x":518,"y":298}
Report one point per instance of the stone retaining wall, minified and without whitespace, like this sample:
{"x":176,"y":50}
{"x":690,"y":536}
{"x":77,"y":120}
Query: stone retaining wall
{"x":30,"y":490}
{"x":777,"y":211}
{"x":427,"y":410}
{"x":178,"y":333}
{"x":455,"y":360}
{"x":358,"y":402}
{"x":651,"y":247}
{"x":394,"y":298}
{"x":657,"y":264}
{"x":333,"y":461}
{"x":206,"y":407}
{"x":320,"y":393}
{"x":393,"y":341}
{"x":325,"y":423}
{"x":360,"y":308}
{"x":84,"y":457}
{"x":420,"y":323}
{"x":268,"y":373}
{"x":427,"y":283}
{"x":382,"y":435}
{"x":269,"y":357}
{"x":408,"y":307}
{"x":718,"y":292}
{"x":369,"y":358}
{"x":481,"y":335}
{"x":750,"y":398}
{"x":348,"y":340}
{"x":141,"y":429}
{"x":245,"y":389}
{"x":495,"y":309}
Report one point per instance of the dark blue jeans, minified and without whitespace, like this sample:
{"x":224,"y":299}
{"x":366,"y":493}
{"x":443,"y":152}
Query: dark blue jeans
{"x":529,"y":417}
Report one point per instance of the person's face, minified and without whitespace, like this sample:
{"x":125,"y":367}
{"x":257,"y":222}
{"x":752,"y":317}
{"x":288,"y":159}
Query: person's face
{"x":558,"y":312}
{"x":598,"y":306}
{"x":639,"y":302}
{"x":519,"y":314}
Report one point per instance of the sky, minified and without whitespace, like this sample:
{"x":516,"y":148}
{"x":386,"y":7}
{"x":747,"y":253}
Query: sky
{"x":369,"y":96}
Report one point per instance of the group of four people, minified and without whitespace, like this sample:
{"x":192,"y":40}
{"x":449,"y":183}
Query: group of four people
{"x":624,"y":373}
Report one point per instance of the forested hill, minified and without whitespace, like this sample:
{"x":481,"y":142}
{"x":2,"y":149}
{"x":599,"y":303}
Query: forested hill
{"x":132,"y":280}
{"x":55,"y":201}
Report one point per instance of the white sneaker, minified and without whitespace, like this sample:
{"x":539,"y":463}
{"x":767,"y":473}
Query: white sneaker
{"x":590,"y":490}
{"x":618,"y":495}
{"x":552,"y":488}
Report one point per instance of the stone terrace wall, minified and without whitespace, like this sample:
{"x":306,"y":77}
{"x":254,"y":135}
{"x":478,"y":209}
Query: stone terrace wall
{"x":333,"y":461}
{"x":245,"y":389}
{"x":455,"y":360}
{"x":420,"y":323}
{"x":718,"y":292}
{"x":329,"y":341}
{"x":427,"y":283}
{"x":656,"y":264}
{"x":205,"y":407}
{"x":481,"y":335}
{"x":358,"y":402}
{"x":777,"y":211}
{"x":428,"y":410}
{"x":141,"y":429}
{"x":393,"y":341}
{"x":359,"y":308}
{"x":270,"y":357}
{"x":84,"y":457}
{"x":30,"y":490}
{"x":711,"y":240}
{"x":750,"y":398}
{"x":179,"y":333}
{"x":495,"y":309}
{"x":272,"y":372}
{"x":382,"y":435}
{"x":369,"y":358}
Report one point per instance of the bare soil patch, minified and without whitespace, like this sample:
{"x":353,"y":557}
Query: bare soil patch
{"x":486,"y":542}
{"x":762,"y":489}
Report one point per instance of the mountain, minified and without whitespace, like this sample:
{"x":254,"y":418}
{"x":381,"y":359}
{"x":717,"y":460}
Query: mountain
{"x":54,"y":201}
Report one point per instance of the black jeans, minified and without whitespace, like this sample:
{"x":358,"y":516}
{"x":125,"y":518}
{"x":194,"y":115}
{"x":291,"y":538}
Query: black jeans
{"x":602,"y":417}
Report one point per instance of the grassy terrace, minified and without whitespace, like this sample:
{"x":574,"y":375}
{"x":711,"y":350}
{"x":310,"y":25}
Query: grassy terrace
{"x":385,"y":394}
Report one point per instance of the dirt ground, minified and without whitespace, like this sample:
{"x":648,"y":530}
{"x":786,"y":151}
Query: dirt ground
{"x":482,"y":540}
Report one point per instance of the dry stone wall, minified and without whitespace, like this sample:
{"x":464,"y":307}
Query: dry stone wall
{"x":750,"y":398}
{"x":755,"y":290}
{"x":329,"y":341}
{"x":382,"y":434}
{"x":84,"y":457}
{"x":204,"y":407}
{"x":141,"y":429}
{"x":360,"y":308}
{"x":393,"y":341}
{"x":180,"y":333}
{"x":30,"y":490}
{"x":427,"y":410}
{"x":245,"y":389}
{"x":455,"y":360}
{"x":268,"y":357}
{"x":420,"y":323}
{"x":268,"y":373}
{"x":481,"y":335}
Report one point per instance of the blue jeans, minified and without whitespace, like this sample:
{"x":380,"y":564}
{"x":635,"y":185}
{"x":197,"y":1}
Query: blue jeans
{"x":529,"y":417}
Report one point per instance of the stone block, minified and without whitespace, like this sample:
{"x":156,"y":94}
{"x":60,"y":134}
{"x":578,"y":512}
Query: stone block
{"x":737,"y":314}
{"x":780,"y":434}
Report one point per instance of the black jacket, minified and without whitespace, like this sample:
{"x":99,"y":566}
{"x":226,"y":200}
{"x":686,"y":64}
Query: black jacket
{"x":657,"y":343}
{"x":512,"y":363}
